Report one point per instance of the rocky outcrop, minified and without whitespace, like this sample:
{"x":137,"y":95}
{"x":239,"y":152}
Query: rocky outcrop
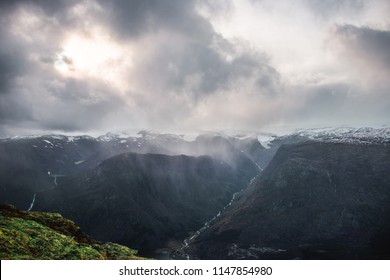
{"x":38,"y":235}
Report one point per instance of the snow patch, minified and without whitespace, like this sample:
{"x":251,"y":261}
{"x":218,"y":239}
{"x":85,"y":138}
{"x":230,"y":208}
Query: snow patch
{"x":48,"y":142}
{"x":363,"y":135}
{"x":265,"y":139}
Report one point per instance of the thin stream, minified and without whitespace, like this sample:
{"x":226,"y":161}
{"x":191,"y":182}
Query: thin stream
{"x":32,"y":203}
{"x":208,"y":223}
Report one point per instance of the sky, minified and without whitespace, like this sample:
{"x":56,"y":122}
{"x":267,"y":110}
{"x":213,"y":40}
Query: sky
{"x":171,"y":65}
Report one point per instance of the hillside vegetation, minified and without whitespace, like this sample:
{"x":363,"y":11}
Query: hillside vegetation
{"x":38,"y":235}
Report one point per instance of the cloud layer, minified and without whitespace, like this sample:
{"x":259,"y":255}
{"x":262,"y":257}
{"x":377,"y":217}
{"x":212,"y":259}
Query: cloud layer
{"x":84,"y":66}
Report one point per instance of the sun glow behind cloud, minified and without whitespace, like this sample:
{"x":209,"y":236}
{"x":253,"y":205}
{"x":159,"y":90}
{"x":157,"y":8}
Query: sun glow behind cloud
{"x":96,"y":56}
{"x":94,"y":64}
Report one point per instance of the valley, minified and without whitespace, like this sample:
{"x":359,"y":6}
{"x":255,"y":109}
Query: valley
{"x":312,"y":194}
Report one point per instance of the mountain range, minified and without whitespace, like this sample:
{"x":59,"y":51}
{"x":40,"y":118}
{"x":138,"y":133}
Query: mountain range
{"x":308,"y":194}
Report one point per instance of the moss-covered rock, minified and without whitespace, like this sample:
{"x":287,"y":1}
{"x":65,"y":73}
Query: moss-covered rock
{"x":38,"y":235}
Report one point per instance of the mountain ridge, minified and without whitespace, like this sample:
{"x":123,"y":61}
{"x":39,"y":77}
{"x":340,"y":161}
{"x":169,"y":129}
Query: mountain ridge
{"x":314,"y":200}
{"x":145,"y":199}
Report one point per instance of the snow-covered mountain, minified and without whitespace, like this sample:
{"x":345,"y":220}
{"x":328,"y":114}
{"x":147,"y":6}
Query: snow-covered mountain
{"x":37,"y":171}
{"x":333,"y":134}
{"x":35,"y":163}
{"x":345,"y":134}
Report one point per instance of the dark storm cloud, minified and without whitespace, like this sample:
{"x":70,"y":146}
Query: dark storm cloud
{"x":32,"y":93}
{"x":256,"y":65}
{"x":10,"y":68}
{"x":174,"y":66}
{"x":366,"y":43}
{"x":325,"y":101}
{"x":137,"y":17}
{"x":197,"y":69}
{"x":54,"y":12}
{"x":12,"y":110}
{"x":362,"y":52}
{"x":339,"y":104}
{"x":189,"y":61}
{"x":78,"y":105}
{"x":72,"y":105}
{"x":331,"y":8}
{"x":12,"y":59}
{"x":13,"y":65}
{"x":51,"y":7}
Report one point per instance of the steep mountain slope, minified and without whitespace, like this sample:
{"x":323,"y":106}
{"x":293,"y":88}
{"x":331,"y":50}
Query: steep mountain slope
{"x":31,"y":165}
{"x":239,"y":154}
{"x":250,"y":146}
{"x":34,"y":164}
{"x":35,"y":235}
{"x":145,"y":200}
{"x":314,"y":200}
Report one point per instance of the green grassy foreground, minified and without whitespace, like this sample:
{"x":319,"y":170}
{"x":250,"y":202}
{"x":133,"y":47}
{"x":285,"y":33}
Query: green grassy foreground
{"x":38,"y":235}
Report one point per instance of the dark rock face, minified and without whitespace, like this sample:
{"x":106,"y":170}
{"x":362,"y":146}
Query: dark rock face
{"x":145,"y":200}
{"x":314,"y":201}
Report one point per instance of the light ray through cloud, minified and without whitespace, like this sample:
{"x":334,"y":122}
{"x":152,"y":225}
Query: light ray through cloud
{"x":169,"y":65}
